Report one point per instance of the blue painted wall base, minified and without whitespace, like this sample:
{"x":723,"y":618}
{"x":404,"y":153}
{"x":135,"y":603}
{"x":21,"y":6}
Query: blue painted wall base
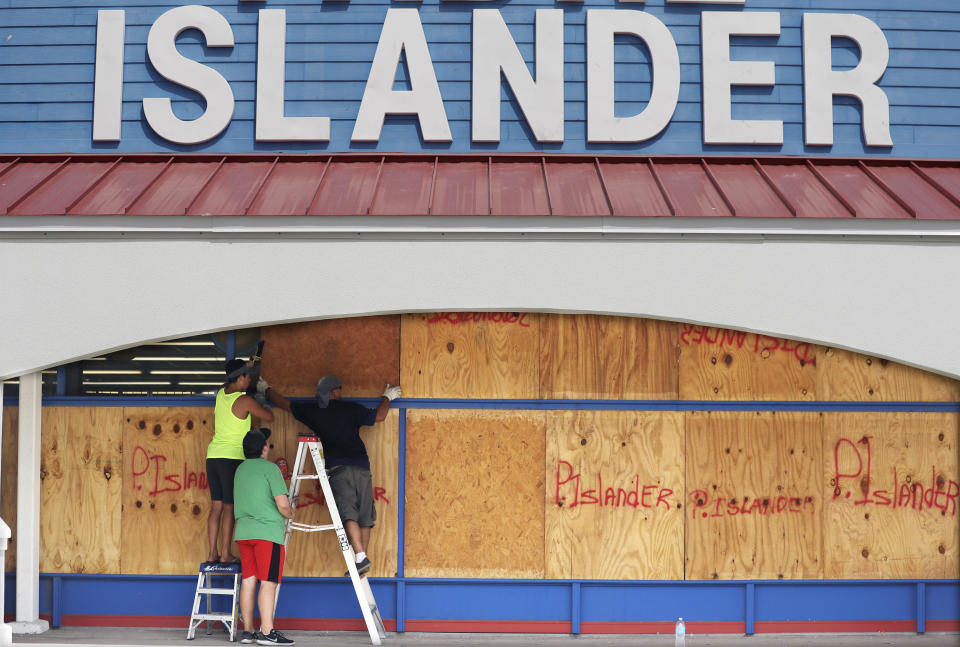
{"x":540,"y":606}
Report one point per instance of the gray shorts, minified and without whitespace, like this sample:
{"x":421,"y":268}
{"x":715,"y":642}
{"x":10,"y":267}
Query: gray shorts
{"x":353,"y":491}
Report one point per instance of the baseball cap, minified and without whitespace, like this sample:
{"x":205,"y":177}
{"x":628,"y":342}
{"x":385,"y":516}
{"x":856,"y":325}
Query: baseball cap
{"x":237,"y":367}
{"x":324,"y":387}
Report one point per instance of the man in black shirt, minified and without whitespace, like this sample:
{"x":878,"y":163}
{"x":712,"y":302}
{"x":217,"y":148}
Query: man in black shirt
{"x":338,"y":423}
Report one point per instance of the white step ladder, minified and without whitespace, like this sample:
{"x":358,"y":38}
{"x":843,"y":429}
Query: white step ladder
{"x":368,"y":606}
{"x":205,"y":589}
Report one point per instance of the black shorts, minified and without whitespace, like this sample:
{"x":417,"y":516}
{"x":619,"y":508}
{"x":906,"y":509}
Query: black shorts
{"x":220,"y":473}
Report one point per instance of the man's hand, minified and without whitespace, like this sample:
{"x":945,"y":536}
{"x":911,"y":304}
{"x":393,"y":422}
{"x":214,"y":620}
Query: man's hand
{"x":391,"y":392}
{"x":262,"y":386}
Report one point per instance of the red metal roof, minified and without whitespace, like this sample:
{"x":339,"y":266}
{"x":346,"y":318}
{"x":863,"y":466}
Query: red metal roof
{"x":474,"y":185}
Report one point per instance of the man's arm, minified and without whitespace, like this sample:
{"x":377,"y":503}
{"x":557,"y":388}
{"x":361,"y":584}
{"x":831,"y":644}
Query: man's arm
{"x":276,"y":398}
{"x":283,"y":505}
{"x":389,"y":394}
{"x":245,"y":404}
{"x":382,"y":408}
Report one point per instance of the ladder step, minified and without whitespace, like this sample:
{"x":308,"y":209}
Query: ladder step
{"x":216,"y":568}
{"x":306,"y":477}
{"x":216,"y":591}
{"x":308,"y":528}
{"x":219,"y":617}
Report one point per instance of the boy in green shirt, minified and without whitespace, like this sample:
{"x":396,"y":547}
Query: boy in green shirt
{"x":261,"y":508}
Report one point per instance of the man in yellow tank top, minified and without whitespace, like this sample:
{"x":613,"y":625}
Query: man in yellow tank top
{"x":232,"y":416}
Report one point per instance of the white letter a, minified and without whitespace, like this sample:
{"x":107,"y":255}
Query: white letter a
{"x":402,"y":32}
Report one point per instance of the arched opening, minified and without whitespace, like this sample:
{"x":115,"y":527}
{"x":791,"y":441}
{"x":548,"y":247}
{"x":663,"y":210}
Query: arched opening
{"x":542,"y":448}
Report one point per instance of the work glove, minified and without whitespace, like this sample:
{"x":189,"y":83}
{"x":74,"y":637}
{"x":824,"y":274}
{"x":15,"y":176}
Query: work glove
{"x":261,"y":399}
{"x":262,"y":386}
{"x":391,"y":392}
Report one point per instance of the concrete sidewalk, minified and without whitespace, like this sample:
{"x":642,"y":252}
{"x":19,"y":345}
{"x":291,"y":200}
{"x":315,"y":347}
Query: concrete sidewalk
{"x":91,"y":636}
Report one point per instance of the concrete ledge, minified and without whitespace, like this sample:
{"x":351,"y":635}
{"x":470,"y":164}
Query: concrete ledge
{"x":29,"y":627}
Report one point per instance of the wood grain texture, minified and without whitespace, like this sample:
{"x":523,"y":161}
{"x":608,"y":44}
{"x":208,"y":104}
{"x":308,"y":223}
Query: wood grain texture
{"x":720,"y":364}
{"x":475,"y":494}
{"x":891,"y":492}
{"x":754,"y":508}
{"x":364,"y":352}
{"x":166,"y":499}
{"x":81,"y":490}
{"x":614,"y":490}
{"x":318,"y":554}
{"x":844,"y":375}
{"x":470,"y":355}
{"x":8,"y":484}
{"x":601,"y":357}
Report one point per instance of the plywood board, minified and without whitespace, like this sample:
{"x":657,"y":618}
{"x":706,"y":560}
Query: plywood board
{"x":166,"y":499}
{"x":318,"y":554}
{"x":754,"y":504}
{"x":470,"y":355}
{"x":614,"y":495}
{"x":81,"y":490}
{"x":891,"y":492}
{"x":364,"y":352}
{"x":283,"y":438}
{"x":8,"y":484}
{"x":601,"y":357}
{"x":844,"y":375}
{"x":720,"y":364}
{"x":474,"y":494}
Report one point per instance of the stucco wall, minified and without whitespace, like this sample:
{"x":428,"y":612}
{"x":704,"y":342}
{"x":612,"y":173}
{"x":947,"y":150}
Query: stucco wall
{"x":73,"y":297}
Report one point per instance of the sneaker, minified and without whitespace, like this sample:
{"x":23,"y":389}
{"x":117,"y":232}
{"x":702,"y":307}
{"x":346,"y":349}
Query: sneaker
{"x":363,"y":567}
{"x":273,"y":638}
{"x":248,"y":637}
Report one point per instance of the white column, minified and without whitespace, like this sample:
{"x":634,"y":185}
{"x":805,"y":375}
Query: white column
{"x":1,"y":466}
{"x":6,"y":635}
{"x":28,"y":509}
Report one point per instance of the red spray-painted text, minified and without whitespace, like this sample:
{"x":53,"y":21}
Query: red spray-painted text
{"x":571,"y":491}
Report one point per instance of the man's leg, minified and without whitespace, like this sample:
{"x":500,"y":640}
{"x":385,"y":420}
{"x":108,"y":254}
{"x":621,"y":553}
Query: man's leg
{"x":213,"y":529}
{"x":355,"y":535}
{"x":226,"y":532}
{"x":268,"y":594}
{"x":366,"y":512}
{"x":248,"y":587}
{"x":364,"y":538}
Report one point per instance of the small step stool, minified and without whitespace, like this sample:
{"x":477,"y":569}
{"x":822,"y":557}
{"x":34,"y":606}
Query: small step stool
{"x":310,"y":445}
{"x":205,"y":588}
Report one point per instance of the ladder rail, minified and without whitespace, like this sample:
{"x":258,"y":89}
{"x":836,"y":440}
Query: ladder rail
{"x":367,"y":605}
{"x":361,"y":586}
{"x":191,"y":628}
{"x":294,"y":493}
{"x":291,"y":524}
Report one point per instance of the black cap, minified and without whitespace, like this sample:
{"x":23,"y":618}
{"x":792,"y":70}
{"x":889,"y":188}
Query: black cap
{"x":254,"y":442}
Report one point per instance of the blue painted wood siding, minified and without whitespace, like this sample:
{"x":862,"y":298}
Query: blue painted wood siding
{"x":47,"y":51}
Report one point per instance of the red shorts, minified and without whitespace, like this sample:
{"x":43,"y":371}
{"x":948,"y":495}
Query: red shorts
{"x":261,"y":559}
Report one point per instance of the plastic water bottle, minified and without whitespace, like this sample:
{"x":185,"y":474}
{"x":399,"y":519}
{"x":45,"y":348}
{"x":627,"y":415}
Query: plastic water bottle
{"x":680,"y":634}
